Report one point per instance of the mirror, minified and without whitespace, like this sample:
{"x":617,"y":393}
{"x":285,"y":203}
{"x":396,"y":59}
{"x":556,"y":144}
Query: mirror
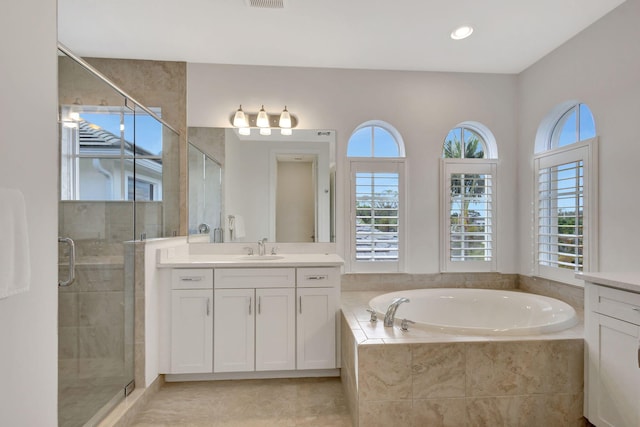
{"x":278,"y":187}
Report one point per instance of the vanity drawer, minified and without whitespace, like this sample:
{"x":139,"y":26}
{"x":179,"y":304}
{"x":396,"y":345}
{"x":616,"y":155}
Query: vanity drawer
{"x":318,"y":277}
{"x":616,"y":303}
{"x":191,"y":278}
{"x":230,"y":278}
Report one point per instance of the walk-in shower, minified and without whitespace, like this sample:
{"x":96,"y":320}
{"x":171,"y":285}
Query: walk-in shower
{"x":111,"y":193}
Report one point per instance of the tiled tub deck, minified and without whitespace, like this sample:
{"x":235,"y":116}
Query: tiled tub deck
{"x":424,"y":378}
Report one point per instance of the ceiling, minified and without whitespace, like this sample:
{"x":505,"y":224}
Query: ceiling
{"x":509,"y":35}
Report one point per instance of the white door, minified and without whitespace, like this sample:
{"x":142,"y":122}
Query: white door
{"x":316,"y":321}
{"x":234,"y":330}
{"x":191,"y":331}
{"x":614,"y":390}
{"x":296,"y":200}
{"x":275,"y":329}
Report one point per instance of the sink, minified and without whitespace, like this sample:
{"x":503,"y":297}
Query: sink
{"x":261,"y":257}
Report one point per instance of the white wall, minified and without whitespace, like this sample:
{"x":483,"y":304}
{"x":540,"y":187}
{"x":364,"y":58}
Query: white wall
{"x":28,"y":153}
{"x":423,"y":106}
{"x":601,"y":67}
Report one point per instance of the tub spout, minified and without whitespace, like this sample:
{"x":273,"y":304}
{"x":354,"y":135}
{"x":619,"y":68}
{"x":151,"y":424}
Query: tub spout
{"x":391,"y":310}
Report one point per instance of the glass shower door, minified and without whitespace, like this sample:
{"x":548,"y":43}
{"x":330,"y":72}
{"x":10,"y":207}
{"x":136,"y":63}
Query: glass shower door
{"x":96,"y":310}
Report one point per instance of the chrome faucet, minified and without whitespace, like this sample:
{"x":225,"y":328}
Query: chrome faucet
{"x":262,"y":246}
{"x":391,"y":310}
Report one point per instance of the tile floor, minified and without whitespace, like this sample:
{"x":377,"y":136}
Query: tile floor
{"x":248,"y":403}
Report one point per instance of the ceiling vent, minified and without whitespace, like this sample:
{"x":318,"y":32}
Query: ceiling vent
{"x":266,"y":4}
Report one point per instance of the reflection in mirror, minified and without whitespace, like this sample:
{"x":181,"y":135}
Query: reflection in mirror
{"x":205,"y":196}
{"x":278,"y":187}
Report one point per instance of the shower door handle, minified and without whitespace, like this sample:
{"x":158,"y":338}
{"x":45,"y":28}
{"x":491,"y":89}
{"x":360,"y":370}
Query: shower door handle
{"x":72,"y":261}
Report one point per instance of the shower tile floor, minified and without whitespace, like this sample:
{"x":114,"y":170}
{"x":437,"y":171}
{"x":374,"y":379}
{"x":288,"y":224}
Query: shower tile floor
{"x":248,"y":403}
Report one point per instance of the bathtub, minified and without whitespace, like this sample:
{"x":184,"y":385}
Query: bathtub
{"x":480,"y":311}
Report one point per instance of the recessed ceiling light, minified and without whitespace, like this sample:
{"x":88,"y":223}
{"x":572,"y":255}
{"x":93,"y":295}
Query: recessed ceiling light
{"x":461,"y":32}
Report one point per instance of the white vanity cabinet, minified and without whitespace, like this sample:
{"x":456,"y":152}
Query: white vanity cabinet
{"x":254,"y":319}
{"x":612,"y":330}
{"x":317,"y":306}
{"x":191,"y":320}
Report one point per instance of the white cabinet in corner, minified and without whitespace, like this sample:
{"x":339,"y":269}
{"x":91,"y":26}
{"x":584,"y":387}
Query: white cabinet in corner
{"x":191,"y":321}
{"x":612,"y":329}
{"x":254,"y":320}
{"x":317,"y":307}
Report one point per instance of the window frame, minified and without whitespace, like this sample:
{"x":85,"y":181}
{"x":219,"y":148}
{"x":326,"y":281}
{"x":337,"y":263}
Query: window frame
{"x":376,"y":164}
{"x":587,"y":152}
{"x":484,"y":165}
{"x":450,"y":166}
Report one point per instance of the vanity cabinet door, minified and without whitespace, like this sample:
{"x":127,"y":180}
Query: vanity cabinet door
{"x":191,"y":331}
{"x":234,"y":330}
{"x":316,"y":321}
{"x":275,"y":329}
{"x":614,"y":372}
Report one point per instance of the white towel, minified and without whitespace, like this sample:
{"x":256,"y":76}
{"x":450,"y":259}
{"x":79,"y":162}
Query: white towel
{"x":239,"y":231}
{"x":15,"y":268}
{"x":236,"y":227}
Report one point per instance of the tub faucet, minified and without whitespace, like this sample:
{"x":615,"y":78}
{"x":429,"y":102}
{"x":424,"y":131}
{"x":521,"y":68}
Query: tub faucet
{"x":391,"y":310}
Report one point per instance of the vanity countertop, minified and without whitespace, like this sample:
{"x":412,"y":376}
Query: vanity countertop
{"x":165,"y":260}
{"x":628,"y":281}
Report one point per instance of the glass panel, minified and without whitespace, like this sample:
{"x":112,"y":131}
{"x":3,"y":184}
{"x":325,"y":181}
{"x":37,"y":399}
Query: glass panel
{"x":101,"y":178}
{"x":565,"y":131}
{"x":470,"y":217}
{"x":473,"y":145}
{"x":148,"y":133}
{"x":561,"y":216}
{"x":384,"y":143}
{"x":147,"y":181}
{"x":587,"y":124}
{"x":360,"y":143}
{"x":453,"y":144}
{"x":377,"y":216}
{"x":96,"y":311}
{"x":205,"y":196}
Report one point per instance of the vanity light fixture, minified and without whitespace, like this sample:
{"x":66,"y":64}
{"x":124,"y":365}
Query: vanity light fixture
{"x":285,"y":121}
{"x":285,"y":118}
{"x":262,"y":121}
{"x":461,"y":32}
{"x":239,"y":119}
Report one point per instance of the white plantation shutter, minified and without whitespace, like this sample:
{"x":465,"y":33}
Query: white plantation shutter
{"x":468,"y":215}
{"x":376,"y":212}
{"x":565,"y":215}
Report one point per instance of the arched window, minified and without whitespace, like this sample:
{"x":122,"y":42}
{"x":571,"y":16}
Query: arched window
{"x":376,"y":162}
{"x":566,"y":196}
{"x":375,"y":139}
{"x":575,"y":125}
{"x":468,"y":180}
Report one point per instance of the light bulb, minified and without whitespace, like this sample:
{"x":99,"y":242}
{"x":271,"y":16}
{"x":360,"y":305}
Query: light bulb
{"x":285,"y":118}
{"x":239,"y":119}
{"x":244,"y":131}
{"x":265,"y":131}
{"x":286,"y":131}
{"x":263,"y":120}
{"x":461,"y":32}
